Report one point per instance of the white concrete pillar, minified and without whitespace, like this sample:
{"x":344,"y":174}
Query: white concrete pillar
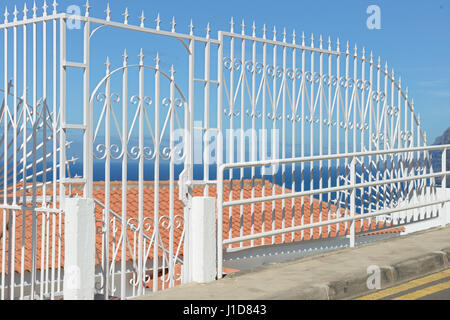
{"x":203,"y":240}
{"x":79,"y":251}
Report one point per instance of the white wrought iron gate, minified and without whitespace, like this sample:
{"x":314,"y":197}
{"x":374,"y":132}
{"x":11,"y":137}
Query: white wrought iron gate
{"x":151,"y":139}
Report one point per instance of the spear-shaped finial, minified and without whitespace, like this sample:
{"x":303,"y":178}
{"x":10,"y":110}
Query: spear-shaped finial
{"x":126,"y":15}
{"x":320,"y":42}
{"x":264,"y":30}
{"x":371,"y":56}
{"x":142,"y":18}
{"x":243,"y":27}
{"x":208,"y":31}
{"x":231,"y":25}
{"x":157,"y":60}
{"x":15,"y":13}
{"x":312,"y":40}
{"x":191,"y":28}
{"x":338,"y":45}
{"x":108,"y":12}
{"x":386,"y":67}
{"x":294,"y":36}
{"x":158,"y":22}
{"x":34,"y":9}
{"x":87,"y":8}
{"x":253,"y":29}
{"x":274,"y":33}
{"x":356,"y":50}
{"x":364,"y":52}
{"x":54,"y":5}
{"x":172,"y":72}
{"x":329,"y":43}
{"x":284,"y":34}
{"x":347,"y":50}
{"x":44,"y":8}
{"x":6,"y":14}
{"x":303,"y":38}
{"x":173,"y":24}
{"x":141,"y":57}
{"x":25,"y":10}
{"x":379,"y":61}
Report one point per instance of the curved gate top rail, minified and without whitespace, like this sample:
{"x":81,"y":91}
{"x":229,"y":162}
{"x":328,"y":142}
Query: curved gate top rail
{"x":274,"y":98}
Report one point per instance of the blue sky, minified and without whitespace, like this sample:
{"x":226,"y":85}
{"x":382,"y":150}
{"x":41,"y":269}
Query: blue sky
{"x":414,"y":37}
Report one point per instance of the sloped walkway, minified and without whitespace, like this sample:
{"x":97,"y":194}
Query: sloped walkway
{"x":340,"y":274}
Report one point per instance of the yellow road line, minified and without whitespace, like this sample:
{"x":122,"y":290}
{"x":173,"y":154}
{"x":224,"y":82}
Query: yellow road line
{"x":406,"y":286}
{"x":425,"y":292}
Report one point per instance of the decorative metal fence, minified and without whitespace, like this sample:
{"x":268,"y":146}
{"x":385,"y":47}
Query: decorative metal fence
{"x":258,"y":98}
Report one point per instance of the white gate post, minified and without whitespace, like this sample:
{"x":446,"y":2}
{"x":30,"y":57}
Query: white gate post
{"x":79,"y":253}
{"x":202,"y":244}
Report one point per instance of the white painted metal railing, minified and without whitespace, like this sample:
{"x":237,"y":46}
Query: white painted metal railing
{"x":414,"y":183}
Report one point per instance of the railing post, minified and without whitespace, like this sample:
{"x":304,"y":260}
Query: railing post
{"x":202,"y":234}
{"x":79,"y":251}
{"x":445,"y":206}
{"x":352,"y":200}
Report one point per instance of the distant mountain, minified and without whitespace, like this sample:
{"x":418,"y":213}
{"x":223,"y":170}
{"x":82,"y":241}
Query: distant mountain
{"x":436,"y":155}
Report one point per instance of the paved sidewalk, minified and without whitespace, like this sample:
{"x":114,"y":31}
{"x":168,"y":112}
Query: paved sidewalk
{"x":341,"y":274}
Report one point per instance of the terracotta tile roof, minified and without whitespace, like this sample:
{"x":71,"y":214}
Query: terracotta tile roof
{"x":273,"y":213}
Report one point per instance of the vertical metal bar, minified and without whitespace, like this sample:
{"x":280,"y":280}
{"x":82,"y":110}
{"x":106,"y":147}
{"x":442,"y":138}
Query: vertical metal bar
{"x":219,"y":155}
{"x":107,"y":222}
{"x":274,"y":126}
{"x":294,"y":105}
{"x":264,"y":137}
{"x":362,"y":124}
{"x":62,"y":111}
{"x":242,"y":139}
{"x":140,"y":277}
{"x":378,"y":135}
{"x":172,"y":175}
{"x":338,"y":140}
{"x":321,"y":94}
{"x":312,"y":108}
{"x":54,"y":148}
{"x":253,"y":138}
{"x":346,"y":126}
{"x":370,"y":138}
{"x":24,"y":156}
{"x":302,"y":153}
{"x":329,"y":124}
{"x":5,"y":157}
{"x":124,"y":176}
{"x":231,"y":138}
{"x":33,"y":223}
{"x":157,"y":160}
{"x":283,"y":146}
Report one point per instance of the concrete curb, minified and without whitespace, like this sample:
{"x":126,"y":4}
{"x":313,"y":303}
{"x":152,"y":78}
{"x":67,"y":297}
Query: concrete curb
{"x":356,"y":285}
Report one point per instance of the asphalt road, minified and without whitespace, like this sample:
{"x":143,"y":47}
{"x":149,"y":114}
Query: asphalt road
{"x":432,"y":287}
